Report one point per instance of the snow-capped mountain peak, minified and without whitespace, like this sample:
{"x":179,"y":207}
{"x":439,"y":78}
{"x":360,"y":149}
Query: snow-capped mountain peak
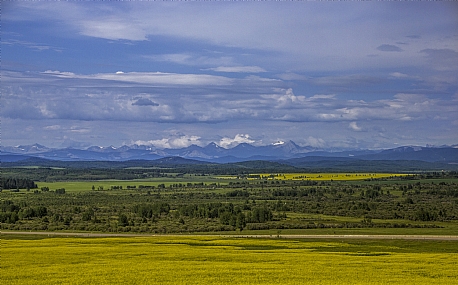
{"x":214,"y":152}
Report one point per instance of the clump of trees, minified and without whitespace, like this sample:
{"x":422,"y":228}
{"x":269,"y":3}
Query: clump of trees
{"x":17,"y":183}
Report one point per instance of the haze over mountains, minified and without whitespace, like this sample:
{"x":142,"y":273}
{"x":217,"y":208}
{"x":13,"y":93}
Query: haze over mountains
{"x":281,"y":151}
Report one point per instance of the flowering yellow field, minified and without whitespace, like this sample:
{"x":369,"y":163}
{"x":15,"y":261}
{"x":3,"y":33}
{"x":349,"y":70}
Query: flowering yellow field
{"x":214,"y":260}
{"x":323,"y":176}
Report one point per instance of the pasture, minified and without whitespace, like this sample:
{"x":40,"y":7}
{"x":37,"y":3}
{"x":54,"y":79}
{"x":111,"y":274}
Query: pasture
{"x":219,"y":260}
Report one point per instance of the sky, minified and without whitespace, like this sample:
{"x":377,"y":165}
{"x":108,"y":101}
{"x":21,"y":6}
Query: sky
{"x":331,"y":75}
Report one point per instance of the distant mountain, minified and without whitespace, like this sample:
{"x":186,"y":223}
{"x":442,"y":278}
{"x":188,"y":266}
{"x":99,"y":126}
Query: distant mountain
{"x":25,"y":149}
{"x":429,"y":154}
{"x":296,"y":165}
{"x":281,"y":151}
{"x":93,"y":153}
{"x":13,"y":157}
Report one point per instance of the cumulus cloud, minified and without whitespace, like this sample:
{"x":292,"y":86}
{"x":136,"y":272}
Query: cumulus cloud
{"x":227,"y":142}
{"x":354,"y":126}
{"x":173,"y":142}
{"x":99,"y":101}
{"x":289,"y":99}
{"x":50,"y":95}
{"x":402,"y":106}
{"x":284,"y":99}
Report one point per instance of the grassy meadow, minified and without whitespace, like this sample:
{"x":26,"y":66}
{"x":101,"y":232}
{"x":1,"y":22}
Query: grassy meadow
{"x":218,"y":260}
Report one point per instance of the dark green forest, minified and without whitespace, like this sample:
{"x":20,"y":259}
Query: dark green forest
{"x":17,"y":183}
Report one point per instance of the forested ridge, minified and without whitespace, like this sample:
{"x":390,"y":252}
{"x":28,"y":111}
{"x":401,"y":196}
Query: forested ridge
{"x":315,"y":164}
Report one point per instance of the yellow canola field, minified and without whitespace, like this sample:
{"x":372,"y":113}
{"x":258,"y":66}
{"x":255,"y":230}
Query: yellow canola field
{"x":214,"y":260}
{"x":323,"y":176}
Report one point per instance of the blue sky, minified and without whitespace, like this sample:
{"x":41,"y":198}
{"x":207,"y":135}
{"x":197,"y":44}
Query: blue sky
{"x":171,"y":74}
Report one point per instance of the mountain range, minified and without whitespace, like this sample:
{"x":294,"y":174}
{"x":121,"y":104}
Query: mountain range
{"x":280,"y":151}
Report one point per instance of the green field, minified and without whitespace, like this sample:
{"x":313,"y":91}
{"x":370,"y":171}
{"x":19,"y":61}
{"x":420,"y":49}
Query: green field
{"x":77,"y":186}
{"x":217,"y":260}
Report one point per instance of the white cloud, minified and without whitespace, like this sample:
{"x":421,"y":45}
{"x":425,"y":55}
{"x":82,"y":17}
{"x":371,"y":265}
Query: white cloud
{"x":45,"y":111}
{"x":323,"y":96}
{"x":284,"y":99}
{"x":191,"y":59}
{"x":162,"y":78}
{"x":315,"y":142}
{"x":161,"y":143}
{"x":66,"y":95}
{"x":227,"y":142}
{"x":399,"y":75}
{"x":61,"y":74}
{"x":174,"y":142}
{"x":77,"y":129}
{"x":52,"y":128}
{"x":289,"y":99}
{"x":292,"y":76}
{"x":113,"y":28}
{"x":354,"y":126}
{"x":241,"y":69}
